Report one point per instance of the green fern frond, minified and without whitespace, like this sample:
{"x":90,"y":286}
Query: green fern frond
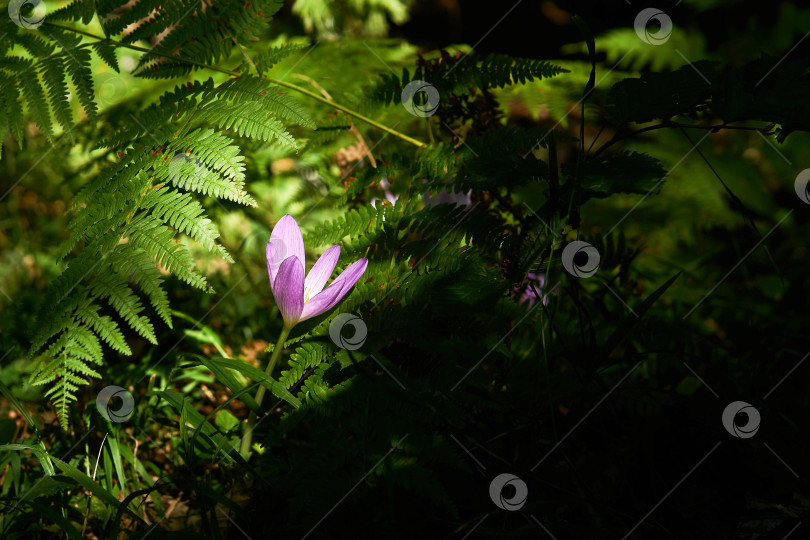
{"x":106,"y":51}
{"x":140,"y":195}
{"x":83,"y":10}
{"x":206,"y":162}
{"x":108,"y":285}
{"x":154,"y":237}
{"x":53,"y":72}
{"x":364,"y":220}
{"x":184,"y":214}
{"x":273,"y":56}
{"x":79,"y":69}
{"x":104,"y":327}
{"x":200,"y":34}
{"x":165,"y":70}
{"x":460,"y":73}
{"x":136,"y":265}
{"x":65,"y":367}
{"x":34,"y":95}
{"x":305,"y":357}
{"x":10,"y":105}
{"x":16,"y":64}
{"x":36,"y":47}
{"x":248,"y":120}
{"x":628,"y":172}
{"x":253,"y":89}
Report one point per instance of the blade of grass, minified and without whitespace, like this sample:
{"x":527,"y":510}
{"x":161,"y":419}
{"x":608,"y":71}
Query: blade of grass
{"x":44,"y":457}
{"x":86,"y":482}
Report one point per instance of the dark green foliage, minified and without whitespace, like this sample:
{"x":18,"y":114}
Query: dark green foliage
{"x":462,"y":74}
{"x":766,"y":89}
{"x":661,"y":95}
{"x":483,"y":351}
{"x":621,"y":173}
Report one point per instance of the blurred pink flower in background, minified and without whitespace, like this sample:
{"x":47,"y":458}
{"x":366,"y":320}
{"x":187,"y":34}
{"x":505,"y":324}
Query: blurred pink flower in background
{"x":385,"y":185}
{"x":524,"y":293}
{"x":442,"y":197}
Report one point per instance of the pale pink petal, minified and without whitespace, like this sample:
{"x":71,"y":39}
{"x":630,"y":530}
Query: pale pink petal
{"x":289,"y":290}
{"x":322,"y":302}
{"x":319,"y":274}
{"x":334,"y":293}
{"x":286,"y":241}
{"x":270,"y":252}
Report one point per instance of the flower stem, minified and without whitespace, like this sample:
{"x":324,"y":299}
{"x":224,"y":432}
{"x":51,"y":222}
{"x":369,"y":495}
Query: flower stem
{"x":247,"y":437}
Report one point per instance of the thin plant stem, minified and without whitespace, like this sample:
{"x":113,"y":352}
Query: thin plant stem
{"x":247,"y":437}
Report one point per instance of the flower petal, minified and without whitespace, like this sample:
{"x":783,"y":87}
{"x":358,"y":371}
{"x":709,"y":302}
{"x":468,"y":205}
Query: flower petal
{"x":287,"y":242}
{"x":334,"y":293}
{"x":319,"y":274}
{"x":322,"y":302}
{"x":270,"y":251}
{"x":537,"y":278}
{"x":289,"y":290}
{"x":351,"y":274}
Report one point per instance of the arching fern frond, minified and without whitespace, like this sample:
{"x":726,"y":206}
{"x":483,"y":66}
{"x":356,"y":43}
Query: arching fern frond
{"x":460,"y":73}
{"x":144,"y":183}
{"x":266,"y":60}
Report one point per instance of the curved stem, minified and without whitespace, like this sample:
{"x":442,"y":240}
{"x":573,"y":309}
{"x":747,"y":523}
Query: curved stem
{"x":312,"y":95}
{"x":340,"y":107}
{"x":247,"y":437}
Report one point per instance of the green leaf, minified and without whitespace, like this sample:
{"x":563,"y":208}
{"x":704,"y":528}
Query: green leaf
{"x":226,"y":421}
{"x":49,"y":485}
{"x":41,"y":454}
{"x":688,"y":386}
{"x":89,"y":484}
{"x":215,"y":439}
{"x":256,"y":375}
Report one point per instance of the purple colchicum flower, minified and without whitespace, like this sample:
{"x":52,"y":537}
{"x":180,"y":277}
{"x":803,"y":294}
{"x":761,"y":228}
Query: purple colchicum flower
{"x":301,"y":298}
{"x":526,"y":294}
